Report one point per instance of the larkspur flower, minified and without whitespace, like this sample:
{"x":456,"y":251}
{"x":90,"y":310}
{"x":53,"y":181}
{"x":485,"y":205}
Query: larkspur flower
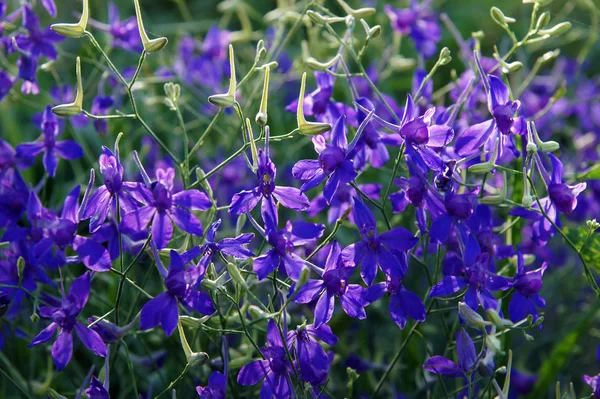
{"x":37,"y":42}
{"x":96,"y":389}
{"x":6,"y":83}
{"x":467,"y":359}
{"x":333,"y":284}
{"x":419,"y":22}
{"x":235,"y":247}
{"x":563,"y":196}
{"x":46,"y":143}
{"x":274,"y":371}
{"x":182,"y":288}
{"x":64,"y":318}
{"x":124,"y":32}
{"x":334,"y":163}
{"x":341,"y":201}
{"x":283,"y":242}
{"x":104,"y":198}
{"x":314,"y":363}
{"x":163,"y":207}
{"x":216,"y":388}
{"x":473,"y":273}
{"x":377,"y":250}
{"x":527,"y":286}
{"x":266,"y":191}
{"x":594,"y":383}
{"x":403,"y":303}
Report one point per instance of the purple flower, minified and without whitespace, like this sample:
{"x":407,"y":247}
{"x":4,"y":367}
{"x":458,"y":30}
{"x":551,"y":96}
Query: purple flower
{"x":283,"y":243}
{"x":475,"y":274}
{"x":100,"y":106}
{"x":313,"y":361}
{"x":341,"y":201}
{"x":274,"y":371}
{"x":182,"y":288}
{"x":6,"y":83}
{"x":377,"y":249}
{"x":114,"y":187}
{"x":216,"y":388}
{"x":235,"y":247}
{"x":334,"y":163}
{"x":419,"y":23}
{"x":403,"y":303}
{"x":27,"y":71}
{"x":46,"y":143}
{"x":527,"y":286}
{"x":289,"y":197}
{"x":502,"y":109}
{"x":333,"y":284}
{"x":467,"y":359}
{"x":593,"y":382}
{"x":125,"y":33}
{"x":563,"y":197}
{"x":96,"y":389}
{"x":62,"y":233}
{"x":164,"y":207}
{"x":459,"y":207}
{"x":64,"y":318}
{"x":37,"y":42}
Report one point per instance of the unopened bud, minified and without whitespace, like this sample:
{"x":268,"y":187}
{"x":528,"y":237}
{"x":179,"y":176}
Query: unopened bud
{"x":557,"y":30}
{"x":256,"y":312}
{"x":550,"y":55}
{"x":486,"y":167}
{"x":445,"y":57}
{"x":542,"y":21}
{"x":593,"y":225}
{"x":497,"y":320}
{"x":74,"y":30}
{"x":499,"y":17}
{"x":34,"y":317}
{"x":20,"y":269}
{"x":261,"y":50}
{"x":316,"y":17}
{"x":472,"y":318}
{"x":303,"y":279}
{"x":172,"y":93}
{"x":359,"y":13}
{"x":211,"y":285}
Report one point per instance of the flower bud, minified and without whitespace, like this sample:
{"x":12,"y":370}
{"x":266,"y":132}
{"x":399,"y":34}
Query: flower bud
{"x":227,"y":99}
{"x":75,"y":107}
{"x":235,"y":274}
{"x":486,"y":167}
{"x":303,"y":279}
{"x":261,"y":50}
{"x":74,"y":30}
{"x":305,"y":127}
{"x":528,"y":337}
{"x":557,"y":30}
{"x":34,"y":317}
{"x":497,"y":320}
{"x":401,"y":64}
{"x":542,"y":21}
{"x":313,"y":63}
{"x":211,"y":285}
{"x":540,"y":3}
{"x":20,"y":269}
{"x":527,"y":199}
{"x":499,"y":17}
{"x":256,"y":312}
{"x":472,"y":318}
{"x":172,"y":93}
{"x":193,"y":321}
{"x":150,"y":46}
{"x":445,"y":57}
{"x":550,"y":55}
{"x":593,"y":225}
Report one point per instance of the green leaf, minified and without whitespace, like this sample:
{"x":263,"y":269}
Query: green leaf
{"x":592,"y":173}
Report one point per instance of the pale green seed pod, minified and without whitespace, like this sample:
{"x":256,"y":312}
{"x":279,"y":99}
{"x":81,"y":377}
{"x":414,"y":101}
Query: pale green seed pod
{"x":75,"y":107}
{"x":227,"y":99}
{"x":444,"y":57}
{"x":543,"y":21}
{"x":150,"y":45}
{"x":74,"y":30}
{"x":262,"y":116}
{"x":497,"y":320}
{"x":305,"y":127}
{"x":235,"y":274}
{"x":499,"y":17}
{"x":359,"y":13}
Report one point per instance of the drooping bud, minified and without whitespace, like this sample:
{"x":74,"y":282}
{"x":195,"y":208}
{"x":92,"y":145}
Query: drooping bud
{"x":261,"y":50}
{"x":557,"y":30}
{"x":262,"y":116}
{"x":499,"y":17}
{"x":227,"y":99}
{"x":472,"y":318}
{"x":370,"y":32}
{"x":74,"y":30}
{"x":75,"y":107}
{"x":542,"y":21}
{"x":150,"y":45}
{"x":444,"y":57}
{"x":193,"y":358}
{"x":360,"y":13}
{"x":305,"y":127}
